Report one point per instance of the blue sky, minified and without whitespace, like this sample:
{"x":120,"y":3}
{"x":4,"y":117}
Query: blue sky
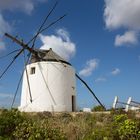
{"x":100,"y":38}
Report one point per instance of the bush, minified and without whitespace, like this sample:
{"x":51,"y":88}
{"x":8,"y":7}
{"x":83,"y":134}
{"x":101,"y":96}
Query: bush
{"x":98,"y":108}
{"x":37,"y":131}
{"x":8,"y":122}
{"x":129,"y":130}
{"x":17,"y":125}
{"x":120,"y":118}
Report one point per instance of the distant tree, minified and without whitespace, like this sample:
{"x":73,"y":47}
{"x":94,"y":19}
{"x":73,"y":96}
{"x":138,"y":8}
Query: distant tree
{"x":98,"y":108}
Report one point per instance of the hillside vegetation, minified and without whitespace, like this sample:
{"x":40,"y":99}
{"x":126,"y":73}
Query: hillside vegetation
{"x":15,"y":125}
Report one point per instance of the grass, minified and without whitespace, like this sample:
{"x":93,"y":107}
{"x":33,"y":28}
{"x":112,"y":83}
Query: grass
{"x":69,"y":126}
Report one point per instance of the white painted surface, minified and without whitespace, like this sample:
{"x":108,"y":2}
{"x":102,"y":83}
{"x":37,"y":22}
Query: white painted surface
{"x":134,"y":108}
{"x":128,"y":104}
{"x":86,"y":109}
{"x":52,"y":87}
{"x":115,"y":102}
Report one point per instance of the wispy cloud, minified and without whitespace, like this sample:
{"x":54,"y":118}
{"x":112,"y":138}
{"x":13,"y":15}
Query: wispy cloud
{"x":5,"y":95}
{"x":60,"y":43}
{"x":129,"y":37}
{"x":4,"y":27}
{"x":25,"y":6}
{"x":107,"y":76}
{"x":139,"y":57}
{"x":115,"y":71}
{"x":90,"y":66}
{"x":6,"y":100}
{"x":63,"y":34}
{"x":2,"y":45}
{"x":101,"y":79}
{"x":123,"y":14}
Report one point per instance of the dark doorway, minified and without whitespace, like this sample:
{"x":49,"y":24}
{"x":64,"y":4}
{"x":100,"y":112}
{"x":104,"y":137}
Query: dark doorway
{"x":73,"y":103}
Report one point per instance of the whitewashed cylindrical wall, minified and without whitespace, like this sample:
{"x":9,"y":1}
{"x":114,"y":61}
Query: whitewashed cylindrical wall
{"x":53,"y":87}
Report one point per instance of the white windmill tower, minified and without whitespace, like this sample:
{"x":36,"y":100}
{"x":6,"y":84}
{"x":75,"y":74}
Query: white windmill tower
{"x":52,"y":84}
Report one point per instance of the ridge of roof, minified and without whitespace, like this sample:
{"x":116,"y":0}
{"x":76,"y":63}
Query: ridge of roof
{"x":47,"y":55}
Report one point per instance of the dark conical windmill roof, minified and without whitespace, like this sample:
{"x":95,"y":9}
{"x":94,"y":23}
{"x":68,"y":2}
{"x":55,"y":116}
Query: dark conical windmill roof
{"x":47,"y":55}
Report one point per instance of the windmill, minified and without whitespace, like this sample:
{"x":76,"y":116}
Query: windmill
{"x":48,"y":80}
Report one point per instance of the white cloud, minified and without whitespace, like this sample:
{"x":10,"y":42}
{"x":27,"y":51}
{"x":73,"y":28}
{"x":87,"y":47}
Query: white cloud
{"x":123,"y":14}
{"x":25,"y":6}
{"x":129,"y":37}
{"x":21,"y":5}
{"x":116,"y":71}
{"x":2,"y":45}
{"x":5,"y":100}
{"x":4,"y":95}
{"x":91,"y":65}
{"x":4,"y":27}
{"x":63,"y":34}
{"x":60,"y":43}
{"x":139,"y":57}
{"x":100,"y":79}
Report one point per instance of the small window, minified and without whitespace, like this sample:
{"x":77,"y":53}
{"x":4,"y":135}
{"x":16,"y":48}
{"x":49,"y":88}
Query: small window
{"x":32,"y":70}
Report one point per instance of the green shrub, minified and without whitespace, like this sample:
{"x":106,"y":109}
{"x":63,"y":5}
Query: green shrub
{"x":8,"y":122}
{"x":129,"y":130}
{"x":37,"y":131}
{"x":98,"y":108}
{"x":120,"y":118}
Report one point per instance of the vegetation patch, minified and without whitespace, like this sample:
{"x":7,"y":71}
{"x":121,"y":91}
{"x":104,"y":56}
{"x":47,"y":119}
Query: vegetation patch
{"x":65,"y":126}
